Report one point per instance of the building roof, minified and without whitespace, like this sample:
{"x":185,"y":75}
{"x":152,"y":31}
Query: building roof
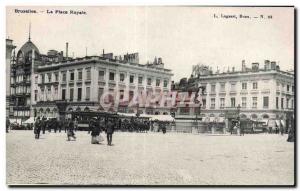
{"x":28,"y":46}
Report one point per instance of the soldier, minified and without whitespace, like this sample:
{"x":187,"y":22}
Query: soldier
{"x":109,"y":131}
{"x":71,"y":131}
{"x":37,"y":128}
{"x":55,"y":125}
{"x":43,"y":124}
{"x":60,"y":125}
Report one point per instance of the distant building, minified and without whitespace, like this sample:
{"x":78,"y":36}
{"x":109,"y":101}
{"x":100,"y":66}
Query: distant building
{"x":264,"y":94}
{"x":9,"y":60}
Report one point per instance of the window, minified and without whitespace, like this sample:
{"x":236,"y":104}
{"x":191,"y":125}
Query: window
{"x":292,"y":106}
{"x":56,"y":91}
{"x":244,"y":102}
{"x":36,"y":79}
{"x":184,"y":110}
{"x":149,"y":82}
{"x":222,"y":89}
{"x":79,"y":92}
{"x":232,"y":88}
{"x":266,"y":102}
{"x":101,"y":75}
{"x":131,"y":79}
{"x":63,"y":94}
{"x":88,"y":74}
{"x":35,"y":95}
{"x":122,"y":77}
{"x":288,"y":88}
{"x":71,"y":94}
{"x":140,"y":79}
{"x":48,"y":93}
{"x":80,"y":75}
{"x":293,"y":89}
{"x":287,"y":102}
{"x":203,"y":103}
{"x":43,"y":78}
{"x":157,"y":82}
{"x":213,"y":88}
{"x":165,"y":83}
{"x":49,"y":77}
{"x":131,"y":93}
{"x":56,"y":77}
{"x":64,"y":77}
{"x":254,"y":85}
{"x":88,"y":93}
{"x":244,"y":85}
{"x":254,"y":102}
{"x":222,"y":103}
{"x":121,"y":94}
{"x":232,"y":102}
{"x":282,"y":101}
{"x":277,"y":103}
{"x":100,"y":93}
{"x":212,"y":103}
{"x":111,"y":76}
{"x":72,"y":76}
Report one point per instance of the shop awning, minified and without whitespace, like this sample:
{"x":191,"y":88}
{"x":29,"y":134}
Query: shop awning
{"x":265,"y":121}
{"x":277,"y":123}
{"x":29,"y":121}
{"x":15,"y":121}
{"x":282,"y":123}
{"x":212,"y":119}
{"x":221,"y":119}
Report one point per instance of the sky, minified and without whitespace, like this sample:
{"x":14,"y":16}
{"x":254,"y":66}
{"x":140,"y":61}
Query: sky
{"x":181,"y":36}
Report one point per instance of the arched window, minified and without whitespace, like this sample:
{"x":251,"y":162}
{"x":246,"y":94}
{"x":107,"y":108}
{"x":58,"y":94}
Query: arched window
{"x":165,"y":113}
{"x":156,"y":113}
{"x":86,"y":109}
{"x":78,"y":109}
{"x":243,"y":116}
{"x":265,"y":116}
{"x":253,"y":116}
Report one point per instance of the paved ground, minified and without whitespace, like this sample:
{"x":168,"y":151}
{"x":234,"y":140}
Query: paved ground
{"x":153,"y":158}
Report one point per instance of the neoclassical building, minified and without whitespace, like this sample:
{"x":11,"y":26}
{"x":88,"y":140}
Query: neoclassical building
{"x":264,"y":94}
{"x":52,"y":84}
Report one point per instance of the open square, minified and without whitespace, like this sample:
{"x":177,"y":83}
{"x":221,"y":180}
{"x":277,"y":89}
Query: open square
{"x":150,"y":159}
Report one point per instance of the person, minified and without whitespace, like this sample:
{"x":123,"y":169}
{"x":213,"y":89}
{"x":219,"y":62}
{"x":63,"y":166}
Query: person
{"x":242,"y":130}
{"x":7,"y":124}
{"x":60,"y":125}
{"x":43,"y":124}
{"x":109,"y":132}
{"x":281,"y":129}
{"x":66,"y":124}
{"x":37,"y":128}
{"x":163,"y":127}
{"x":55,"y":124}
{"x":95,"y":131}
{"x":70,"y":132}
{"x":75,"y":124}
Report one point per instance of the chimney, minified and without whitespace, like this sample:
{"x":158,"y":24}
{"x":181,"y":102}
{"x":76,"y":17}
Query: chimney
{"x":243,"y":66}
{"x":67,"y":49}
{"x":267,"y":64}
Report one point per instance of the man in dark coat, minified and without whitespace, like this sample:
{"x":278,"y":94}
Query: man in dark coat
{"x":43,"y":124}
{"x":95,"y":131}
{"x":37,"y":128}
{"x":110,"y":127}
{"x":71,"y":131}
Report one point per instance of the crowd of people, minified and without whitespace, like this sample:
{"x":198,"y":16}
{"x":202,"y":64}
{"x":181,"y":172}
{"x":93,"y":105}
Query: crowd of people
{"x":70,"y":126}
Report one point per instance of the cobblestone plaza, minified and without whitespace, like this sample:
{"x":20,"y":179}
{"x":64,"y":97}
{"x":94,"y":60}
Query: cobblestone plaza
{"x":150,"y":159}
